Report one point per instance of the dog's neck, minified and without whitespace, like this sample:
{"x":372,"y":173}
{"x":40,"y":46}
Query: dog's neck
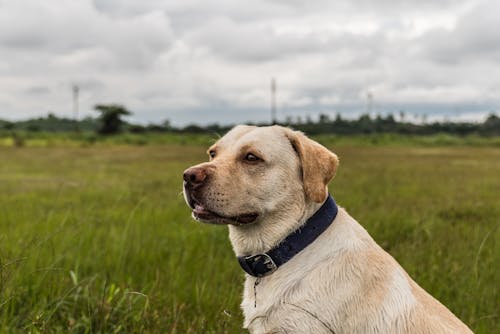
{"x":264,"y":235}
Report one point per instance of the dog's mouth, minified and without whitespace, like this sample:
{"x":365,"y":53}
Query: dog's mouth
{"x":201,"y":213}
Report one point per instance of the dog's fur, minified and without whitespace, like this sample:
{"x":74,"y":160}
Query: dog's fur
{"x":341,"y":283}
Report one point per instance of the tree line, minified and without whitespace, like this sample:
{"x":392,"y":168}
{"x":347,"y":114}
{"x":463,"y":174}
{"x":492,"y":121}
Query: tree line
{"x":110,"y":121}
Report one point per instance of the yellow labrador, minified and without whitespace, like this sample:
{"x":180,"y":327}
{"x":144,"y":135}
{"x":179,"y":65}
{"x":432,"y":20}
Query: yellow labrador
{"x":311,"y":268}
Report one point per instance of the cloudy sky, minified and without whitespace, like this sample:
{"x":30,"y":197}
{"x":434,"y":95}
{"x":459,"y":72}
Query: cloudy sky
{"x":212,"y":61}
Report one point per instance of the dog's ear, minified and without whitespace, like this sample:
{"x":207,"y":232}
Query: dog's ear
{"x":319,"y":165}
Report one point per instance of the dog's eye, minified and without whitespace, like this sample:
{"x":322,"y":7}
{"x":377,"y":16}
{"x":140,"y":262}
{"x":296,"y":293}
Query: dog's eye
{"x":211,"y":154}
{"x":251,"y":157}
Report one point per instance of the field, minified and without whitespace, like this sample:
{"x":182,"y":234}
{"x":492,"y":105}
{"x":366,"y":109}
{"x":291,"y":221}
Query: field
{"x":96,"y":238}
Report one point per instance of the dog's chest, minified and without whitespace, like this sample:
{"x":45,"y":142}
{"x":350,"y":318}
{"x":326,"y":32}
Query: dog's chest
{"x":288,"y":315}
{"x":284,"y":306}
{"x":326,"y":298}
{"x":285,"y":313}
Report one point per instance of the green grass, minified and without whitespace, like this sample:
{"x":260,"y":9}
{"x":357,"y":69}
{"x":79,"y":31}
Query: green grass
{"x":97,"y":238}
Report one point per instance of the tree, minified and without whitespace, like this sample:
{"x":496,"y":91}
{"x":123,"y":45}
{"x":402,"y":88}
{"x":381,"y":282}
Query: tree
{"x":323,"y":118}
{"x":8,"y":125}
{"x":492,"y":125}
{"x":111,"y":117}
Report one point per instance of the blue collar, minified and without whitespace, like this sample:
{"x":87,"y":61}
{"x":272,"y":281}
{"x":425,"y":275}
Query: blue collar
{"x":260,"y":265}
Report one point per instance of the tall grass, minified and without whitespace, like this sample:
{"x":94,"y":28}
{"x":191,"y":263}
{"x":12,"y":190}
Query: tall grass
{"x":97,"y":239}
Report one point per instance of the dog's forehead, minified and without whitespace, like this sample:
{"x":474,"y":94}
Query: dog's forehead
{"x":235,"y":134}
{"x":265,"y":139}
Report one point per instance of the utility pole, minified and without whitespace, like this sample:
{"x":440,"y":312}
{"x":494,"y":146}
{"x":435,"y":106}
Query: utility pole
{"x":273,"y":101}
{"x":76,"y":90}
{"x":369,"y":103}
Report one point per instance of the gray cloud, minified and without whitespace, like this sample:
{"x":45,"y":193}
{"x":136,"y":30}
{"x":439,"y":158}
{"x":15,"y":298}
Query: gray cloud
{"x":37,"y":90}
{"x":77,"y":27}
{"x":195,"y":61}
{"x":475,"y":37}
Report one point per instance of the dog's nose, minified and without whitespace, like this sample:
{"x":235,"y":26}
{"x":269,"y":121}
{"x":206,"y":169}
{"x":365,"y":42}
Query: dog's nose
{"x":195,"y":175}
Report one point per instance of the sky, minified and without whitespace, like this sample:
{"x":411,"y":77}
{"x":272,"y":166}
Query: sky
{"x":212,"y":61}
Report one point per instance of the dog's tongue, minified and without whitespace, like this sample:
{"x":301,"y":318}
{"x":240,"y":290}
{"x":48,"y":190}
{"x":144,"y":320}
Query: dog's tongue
{"x":200,"y":212}
{"x":198,"y":208}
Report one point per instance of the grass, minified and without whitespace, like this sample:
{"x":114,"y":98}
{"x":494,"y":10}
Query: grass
{"x":97,"y":238}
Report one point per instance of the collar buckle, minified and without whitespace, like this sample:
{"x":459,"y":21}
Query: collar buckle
{"x":258,"y":265}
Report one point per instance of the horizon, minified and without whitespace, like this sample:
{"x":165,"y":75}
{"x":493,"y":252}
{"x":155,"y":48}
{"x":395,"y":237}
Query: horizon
{"x":400,"y":117}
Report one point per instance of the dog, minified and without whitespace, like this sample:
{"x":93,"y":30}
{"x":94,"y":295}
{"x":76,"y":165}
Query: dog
{"x":310,"y":267}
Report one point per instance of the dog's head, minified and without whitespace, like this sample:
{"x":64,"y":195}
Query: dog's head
{"x":257,"y":171}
